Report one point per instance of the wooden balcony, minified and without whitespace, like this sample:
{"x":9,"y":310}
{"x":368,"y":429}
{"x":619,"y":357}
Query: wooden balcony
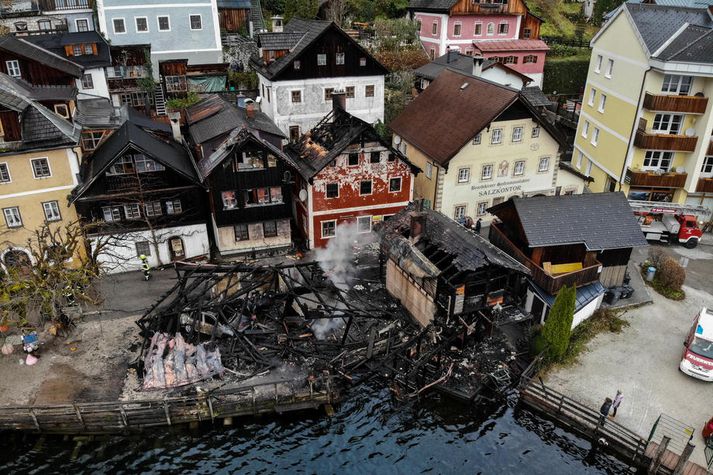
{"x":687,"y":104}
{"x":550,"y":283}
{"x":665,"y":180}
{"x":705,"y":185}
{"x":678,"y":143}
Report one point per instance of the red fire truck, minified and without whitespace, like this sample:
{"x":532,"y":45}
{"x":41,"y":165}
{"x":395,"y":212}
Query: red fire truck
{"x":670,"y":222}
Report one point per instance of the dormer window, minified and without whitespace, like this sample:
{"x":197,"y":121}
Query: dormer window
{"x":77,"y":50}
{"x":88,"y":49}
{"x":321,"y":59}
{"x":21,"y":26}
{"x":13,"y":68}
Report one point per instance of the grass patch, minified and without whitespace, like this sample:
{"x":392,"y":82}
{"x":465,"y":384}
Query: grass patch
{"x":562,"y":19}
{"x":661,"y":289}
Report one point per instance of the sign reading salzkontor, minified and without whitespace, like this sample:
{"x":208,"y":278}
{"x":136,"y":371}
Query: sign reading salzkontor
{"x":499,"y":187}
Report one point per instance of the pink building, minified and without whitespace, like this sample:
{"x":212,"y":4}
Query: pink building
{"x":478,"y":25}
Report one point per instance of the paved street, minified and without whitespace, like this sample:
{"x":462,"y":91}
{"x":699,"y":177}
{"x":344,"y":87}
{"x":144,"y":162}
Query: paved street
{"x":643,"y":360}
{"x":128,"y":293}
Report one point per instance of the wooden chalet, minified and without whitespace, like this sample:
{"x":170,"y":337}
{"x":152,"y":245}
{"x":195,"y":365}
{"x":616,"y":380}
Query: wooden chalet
{"x":178,"y":78}
{"x":234,"y":16}
{"x":129,"y":65}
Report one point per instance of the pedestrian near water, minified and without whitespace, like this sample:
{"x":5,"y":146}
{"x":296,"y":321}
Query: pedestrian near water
{"x":478,"y":224}
{"x":617,"y":402}
{"x":604,"y":411}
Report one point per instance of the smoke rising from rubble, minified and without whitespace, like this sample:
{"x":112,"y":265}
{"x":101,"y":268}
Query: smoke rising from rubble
{"x":338,"y":259}
{"x":324,"y":327}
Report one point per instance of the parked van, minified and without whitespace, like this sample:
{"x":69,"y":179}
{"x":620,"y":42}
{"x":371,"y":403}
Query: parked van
{"x":697,"y":360}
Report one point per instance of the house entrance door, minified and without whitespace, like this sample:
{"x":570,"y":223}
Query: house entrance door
{"x":175,"y":245}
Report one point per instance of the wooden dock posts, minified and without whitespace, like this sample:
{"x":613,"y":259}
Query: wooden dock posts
{"x":129,"y":416}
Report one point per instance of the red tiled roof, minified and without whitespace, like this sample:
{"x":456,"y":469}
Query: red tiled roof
{"x":511,"y":45}
{"x":450,"y":112}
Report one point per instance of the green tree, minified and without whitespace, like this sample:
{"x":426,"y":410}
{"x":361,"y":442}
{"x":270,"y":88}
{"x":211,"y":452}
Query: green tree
{"x":306,"y":9}
{"x":602,"y":7}
{"x":558,"y":326}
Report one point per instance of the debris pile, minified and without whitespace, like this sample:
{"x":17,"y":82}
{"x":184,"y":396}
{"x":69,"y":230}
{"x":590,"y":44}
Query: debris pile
{"x":171,"y":362}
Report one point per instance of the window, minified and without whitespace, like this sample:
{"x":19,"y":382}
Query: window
{"x":519,"y":168}
{"x":363,"y":224}
{"x":369,"y":91}
{"x":353,"y":159}
{"x":296,"y":65}
{"x":362,"y":61}
{"x":610,"y":68}
{"x":395,"y":185}
{"x":544,"y":164}
{"x":677,"y":84}
{"x":350,"y":92}
{"x":459,"y":212}
{"x":296,"y":96}
{"x":82,"y":24}
{"x":530,"y":58}
{"x":143,"y":248}
{"x":294,"y":133}
{"x":592,"y":96}
{"x":164,"y":23}
{"x":77,"y":50}
{"x":145,"y":164}
{"x":434,"y":28}
{"x":478,"y":29}
{"x":392,"y":157}
{"x":503,"y":28}
{"x":13,"y":68}
{"x":111,"y":214}
{"x":12,"y":217}
{"x":269,"y":229}
{"x":241,"y":232}
{"x":196,"y":22}
{"x":578,"y":163}
{"x":328,"y":91}
{"x":321,"y":59}
{"x":88,"y":49}
{"x":87,"y":81}
{"x":365,"y":187}
{"x":176,"y":83}
{"x":229,"y":200}
{"x":62,"y":109}
{"x":119,"y":26}
{"x":707,"y":168}
{"x":41,"y":168}
{"x":486,"y":173}
{"x":429,"y":170}
{"x":51,"y":209}
{"x":595,"y":136}
{"x":602,"y":102}
{"x":463,"y":175}
{"x":4,"y":173}
{"x":332,"y":190}
{"x":44,"y":25}
{"x":585,"y":129}
{"x":598,"y":64}
{"x":535,"y":132}
{"x":589,"y":168}
{"x":329,"y":229}
{"x":667,"y":123}
{"x":482,"y":207}
{"x":174,"y":207}
{"x":517,"y":134}
{"x":476,"y":139}
{"x":20,"y":25}
{"x":375,"y":157}
{"x":510,"y":60}
{"x":432,"y":53}
{"x":497,"y":136}
{"x":456,"y":29}
{"x":418,"y":24}
{"x":132,"y":211}
{"x":658,"y":160}
{"x":491,"y":29}
{"x":153,"y":208}
{"x":339,"y":59}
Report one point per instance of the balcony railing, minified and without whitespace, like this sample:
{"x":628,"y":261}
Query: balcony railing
{"x":56,"y":5}
{"x":687,"y":104}
{"x":705,"y":185}
{"x":663,"y":180}
{"x":550,"y":283}
{"x":679,"y":143}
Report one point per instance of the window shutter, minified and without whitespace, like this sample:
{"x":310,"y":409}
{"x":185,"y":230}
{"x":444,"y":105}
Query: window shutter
{"x":68,"y":50}
{"x":94,"y":49}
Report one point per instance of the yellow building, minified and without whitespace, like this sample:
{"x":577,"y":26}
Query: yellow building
{"x":39,"y":166}
{"x":646,"y":119}
{"x":479,"y":143}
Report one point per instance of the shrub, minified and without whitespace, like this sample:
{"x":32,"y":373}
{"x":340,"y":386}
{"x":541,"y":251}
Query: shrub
{"x":670,"y":273}
{"x":656,"y":255}
{"x":558,"y":327}
{"x":565,"y":75}
{"x":184,"y":102}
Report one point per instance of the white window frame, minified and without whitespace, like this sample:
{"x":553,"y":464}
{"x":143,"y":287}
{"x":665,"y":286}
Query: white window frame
{"x":585,"y":129}
{"x":598,"y":64}
{"x":546,"y":162}
{"x":578,"y":163}
{"x":518,"y":168}
{"x":113,"y":25}
{"x":475,"y":28}
{"x":460,"y":29}
{"x":602,"y":103}
{"x":174,"y":207}
{"x":668,"y":120}
{"x":490,"y":29}
{"x":429,"y":170}
{"x":158,"y":23}
{"x":7,"y":170}
{"x":610,"y":68}
{"x":481,"y":208}
{"x":496,"y":132}
{"x":463,"y":175}
{"x":150,"y":210}
{"x":13,"y":68}
{"x":133,"y":207}
{"x":477,"y":139}
{"x":460,"y":211}
{"x":338,"y":56}
{"x":58,"y":107}
{"x":15,"y":218}
{"x":359,"y":220}
{"x":535,"y":132}
{"x":321,"y":59}
{"x":595,"y":136}
{"x":592,"y":97}
{"x":190,"y":21}
{"x":32,"y":166}
{"x":657,"y":157}
{"x":669,"y":79}
{"x":507,"y":28}
{"x":55,"y":213}
{"x":517,"y":133}
{"x":76,"y":24}
{"x":400,"y":184}
{"x":136,"y":25}
{"x":489,"y":175}
{"x":321,"y":225}
{"x":91,"y":81}
{"x":707,"y":163}
{"x":434,"y":28}
{"x":588,"y":172}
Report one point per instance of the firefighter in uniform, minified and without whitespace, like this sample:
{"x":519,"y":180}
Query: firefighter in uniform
{"x":145,"y":267}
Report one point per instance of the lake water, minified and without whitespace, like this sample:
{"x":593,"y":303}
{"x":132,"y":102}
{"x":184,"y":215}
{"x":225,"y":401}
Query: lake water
{"x":369,"y":433}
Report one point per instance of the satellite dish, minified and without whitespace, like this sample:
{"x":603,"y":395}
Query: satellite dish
{"x":397,"y":139}
{"x":690,"y":132}
{"x":303,"y":195}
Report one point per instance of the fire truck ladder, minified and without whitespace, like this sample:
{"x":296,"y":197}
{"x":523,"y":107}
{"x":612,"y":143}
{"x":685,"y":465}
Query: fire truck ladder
{"x":668,"y":208}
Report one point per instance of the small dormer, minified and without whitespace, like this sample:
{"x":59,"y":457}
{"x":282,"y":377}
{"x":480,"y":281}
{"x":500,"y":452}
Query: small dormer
{"x":277,"y":23}
{"x":80,"y":49}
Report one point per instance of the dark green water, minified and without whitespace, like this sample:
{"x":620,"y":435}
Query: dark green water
{"x":370,"y":433}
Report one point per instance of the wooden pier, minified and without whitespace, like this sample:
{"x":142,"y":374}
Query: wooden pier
{"x":130,"y":416}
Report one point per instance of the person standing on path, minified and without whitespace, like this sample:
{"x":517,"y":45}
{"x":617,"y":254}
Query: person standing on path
{"x":617,"y":402}
{"x":478,"y":224}
{"x":604,"y":411}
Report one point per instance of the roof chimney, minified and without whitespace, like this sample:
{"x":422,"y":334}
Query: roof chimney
{"x":175,"y":118}
{"x":277,"y":21}
{"x":477,"y":65}
{"x":339,"y":100}
{"x":250,"y":110}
